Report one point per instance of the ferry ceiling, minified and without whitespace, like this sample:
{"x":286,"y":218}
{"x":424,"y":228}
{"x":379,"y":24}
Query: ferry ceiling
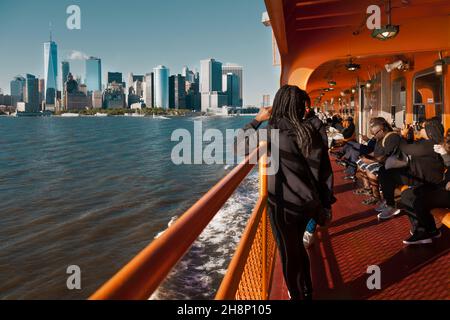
{"x":327,"y":43}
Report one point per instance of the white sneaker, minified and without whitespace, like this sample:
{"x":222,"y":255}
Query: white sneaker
{"x":388,"y":213}
{"x":381,"y":206}
{"x":308,"y":239}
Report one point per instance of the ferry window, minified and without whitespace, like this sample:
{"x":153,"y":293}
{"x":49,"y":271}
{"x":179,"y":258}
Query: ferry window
{"x":428,"y":96}
{"x":398,"y":103}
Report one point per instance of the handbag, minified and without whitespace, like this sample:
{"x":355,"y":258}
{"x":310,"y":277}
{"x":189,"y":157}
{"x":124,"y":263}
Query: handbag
{"x":397,"y":160}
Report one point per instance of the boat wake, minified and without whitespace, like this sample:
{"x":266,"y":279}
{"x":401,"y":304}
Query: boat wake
{"x":199,"y":274}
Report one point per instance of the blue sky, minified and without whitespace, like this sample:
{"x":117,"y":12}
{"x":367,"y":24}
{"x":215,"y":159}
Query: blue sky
{"x":137,"y":35}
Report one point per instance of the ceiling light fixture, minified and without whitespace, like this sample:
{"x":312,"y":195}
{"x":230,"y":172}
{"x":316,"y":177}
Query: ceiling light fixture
{"x":351,"y":66}
{"x":439,"y":65}
{"x":388,"y":31}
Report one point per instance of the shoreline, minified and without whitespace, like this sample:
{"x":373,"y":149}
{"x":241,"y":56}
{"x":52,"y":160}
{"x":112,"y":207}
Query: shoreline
{"x":128,"y":115}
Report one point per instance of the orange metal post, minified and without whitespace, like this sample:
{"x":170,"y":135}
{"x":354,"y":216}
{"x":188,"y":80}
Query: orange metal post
{"x":233,"y":277}
{"x":263,"y":195}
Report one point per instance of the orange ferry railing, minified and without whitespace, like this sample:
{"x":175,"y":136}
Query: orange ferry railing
{"x":246,"y":277}
{"x":249,"y":275}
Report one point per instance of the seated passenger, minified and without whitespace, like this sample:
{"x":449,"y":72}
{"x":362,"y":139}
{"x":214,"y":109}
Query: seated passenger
{"x":425,"y":167}
{"x":347,"y":131}
{"x":369,"y":165}
{"x":336,"y":122}
{"x":419,"y":201}
{"x":353,"y":150}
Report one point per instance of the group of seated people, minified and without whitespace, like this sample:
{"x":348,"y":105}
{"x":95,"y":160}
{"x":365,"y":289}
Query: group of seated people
{"x":391,"y":159}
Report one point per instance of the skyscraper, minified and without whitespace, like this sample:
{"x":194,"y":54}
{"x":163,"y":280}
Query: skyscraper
{"x":115,"y":77}
{"x":210,"y":76}
{"x":161,"y":87}
{"x":17,"y":88}
{"x":31,"y":94}
{"x":41,"y":91}
{"x":177,"y":92}
{"x":65,"y":70}
{"x":231,"y":89}
{"x":149,"y":90}
{"x":238,"y":71}
{"x":188,"y":74}
{"x":50,"y":70}
{"x":94,"y":74}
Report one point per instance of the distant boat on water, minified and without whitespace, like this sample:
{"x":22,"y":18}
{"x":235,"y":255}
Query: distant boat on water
{"x":98,"y":114}
{"x":160,"y":117}
{"x":70,"y":115}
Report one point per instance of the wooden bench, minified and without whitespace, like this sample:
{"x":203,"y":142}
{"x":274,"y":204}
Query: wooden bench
{"x":442,"y":215}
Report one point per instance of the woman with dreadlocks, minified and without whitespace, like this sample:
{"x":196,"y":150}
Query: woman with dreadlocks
{"x":299,"y":190}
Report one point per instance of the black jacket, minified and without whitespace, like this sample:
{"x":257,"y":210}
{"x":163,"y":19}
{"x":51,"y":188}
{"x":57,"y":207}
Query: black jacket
{"x":301,"y":186}
{"x":425,"y":165}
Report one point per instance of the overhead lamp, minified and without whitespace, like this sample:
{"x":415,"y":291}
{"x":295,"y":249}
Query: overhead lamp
{"x":330,"y":89}
{"x":388,"y":31}
{"x":369,"y":84}
{"x":332,"y":83}
{"x":439,"y":65}
{"x":353,"y":90}
{"x":351,"y":66}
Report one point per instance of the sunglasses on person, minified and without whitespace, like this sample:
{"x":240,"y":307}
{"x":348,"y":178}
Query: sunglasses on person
{"x":376,"y":133}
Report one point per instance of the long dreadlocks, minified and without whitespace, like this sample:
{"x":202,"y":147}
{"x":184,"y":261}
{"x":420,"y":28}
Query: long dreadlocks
{"x":434,"y":130}
{"x":290,"y":104}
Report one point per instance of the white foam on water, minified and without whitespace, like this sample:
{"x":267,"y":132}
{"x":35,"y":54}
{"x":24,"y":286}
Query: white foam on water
{"x":199,"y":274}
{"x":171,"y":222}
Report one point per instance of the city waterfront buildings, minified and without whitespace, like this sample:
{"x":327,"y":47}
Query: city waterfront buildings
{"x":94,"y":74}
{"x":17,"y":87}
{"x":76,"y":97}
{"x":149,"y":90}
{"x":177,"y":92}
{"x":114,"y":96}
{"x":238,"y":71}
{"x":210,"y":76}
{"x":30,"y":103}
{"x":161,"y":87}
{"x":115,"y":77}
{"x":97,"y":100}
{"x":50,"y":71}
{"x":212,"y":101}
{"x":231,"y":87}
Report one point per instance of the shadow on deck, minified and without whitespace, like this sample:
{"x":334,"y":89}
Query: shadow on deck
{"x":356,"y":240}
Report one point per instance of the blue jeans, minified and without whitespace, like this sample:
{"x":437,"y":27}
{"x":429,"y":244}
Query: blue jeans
{"x":311,"y":227}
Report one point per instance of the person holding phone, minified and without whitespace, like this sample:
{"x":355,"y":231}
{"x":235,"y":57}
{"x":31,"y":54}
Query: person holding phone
{"x":295,"y":192}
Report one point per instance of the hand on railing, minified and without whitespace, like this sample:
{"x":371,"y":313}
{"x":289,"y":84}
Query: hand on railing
{"x":264,"y":114}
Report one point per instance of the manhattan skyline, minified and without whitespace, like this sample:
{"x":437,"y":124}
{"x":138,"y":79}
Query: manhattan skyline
{"x":173,"y":34}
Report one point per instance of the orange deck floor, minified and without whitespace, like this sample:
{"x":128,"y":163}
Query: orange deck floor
{"x":355,"y":240}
